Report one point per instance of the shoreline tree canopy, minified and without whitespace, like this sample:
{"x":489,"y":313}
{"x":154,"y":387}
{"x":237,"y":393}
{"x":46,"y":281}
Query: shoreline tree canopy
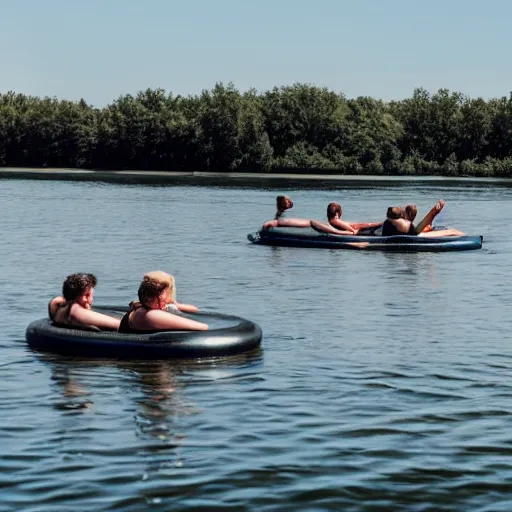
{"x":298,"y":127}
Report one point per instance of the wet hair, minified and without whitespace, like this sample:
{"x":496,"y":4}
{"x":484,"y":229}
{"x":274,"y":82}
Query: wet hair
{"x":410,"y":212}
{"x":76,"y":285}
{"x":333,"y":209}
{"x":394,"y":212}
{"x":283,"y":203}
{"x":150,"y":290}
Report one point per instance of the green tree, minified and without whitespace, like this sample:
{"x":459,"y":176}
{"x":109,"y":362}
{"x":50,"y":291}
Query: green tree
{"x":303,"y":113}
{"x":431,"y":124}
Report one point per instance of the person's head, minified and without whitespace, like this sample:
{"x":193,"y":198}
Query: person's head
{"x":333,"y":209}
{"x":410,"y":212}
{"x":394,"y":212}
{"x":79,"y":288}
{"x":164,"y":277}
{"x":283,"y":203}
{"x":153,"y":294}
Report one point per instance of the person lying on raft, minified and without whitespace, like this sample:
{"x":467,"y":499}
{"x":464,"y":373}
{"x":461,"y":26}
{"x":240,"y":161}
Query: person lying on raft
{"x":149,"y":314}
{"x":73,"y":308}
{"x":337,"y":226}
{"x":173,"y":306}
{"x":399,"y":221}
{"x":334,"y":213}
{"x":284,"y":203}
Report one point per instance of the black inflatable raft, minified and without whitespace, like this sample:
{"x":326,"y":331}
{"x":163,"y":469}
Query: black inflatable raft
{"x":308,"y":237}
{"x":227,"y":334}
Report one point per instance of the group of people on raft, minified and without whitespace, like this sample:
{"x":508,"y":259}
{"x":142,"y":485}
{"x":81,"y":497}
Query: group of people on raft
{"x":156,"y":310}
{"x":399,"y":221}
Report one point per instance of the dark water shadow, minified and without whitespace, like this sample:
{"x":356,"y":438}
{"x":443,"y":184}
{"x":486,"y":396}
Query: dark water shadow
{"x":160,"y":383}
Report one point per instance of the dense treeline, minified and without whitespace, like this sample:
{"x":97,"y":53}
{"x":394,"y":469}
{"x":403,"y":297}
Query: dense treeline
{"x":297,"y":127}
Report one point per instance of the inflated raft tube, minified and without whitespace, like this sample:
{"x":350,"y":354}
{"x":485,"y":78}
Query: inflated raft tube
{"x":308,"y":237}
{"x":227,"y":335}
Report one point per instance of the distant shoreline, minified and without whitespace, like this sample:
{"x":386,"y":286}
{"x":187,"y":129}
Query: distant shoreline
{"x":289,"y":130}
{"x":234,"y":178}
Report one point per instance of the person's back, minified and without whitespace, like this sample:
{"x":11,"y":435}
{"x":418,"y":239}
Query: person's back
{"x":395,"y":224}
{"x":389,"y":229}
{"x":130,"y":324}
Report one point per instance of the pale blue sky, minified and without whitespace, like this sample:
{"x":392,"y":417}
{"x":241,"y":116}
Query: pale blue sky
{"x":100,"y":49}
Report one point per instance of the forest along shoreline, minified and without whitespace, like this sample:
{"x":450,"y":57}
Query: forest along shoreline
{"x":284,"y":130}
{"x":245,"y":178}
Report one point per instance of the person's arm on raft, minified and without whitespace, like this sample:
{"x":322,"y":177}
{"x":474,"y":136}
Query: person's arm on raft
{"x":341,"y":225}
{"x":164,"y":321}
{"x":334,"y":213}
{"x":323,"y":227}
{"x":186,"y":308}
{"x":81,"y":315}
{"x":361,"y":225}
{"x":54,"y":305}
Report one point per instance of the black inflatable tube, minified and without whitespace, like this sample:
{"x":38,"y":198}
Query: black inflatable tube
{"x":307,"y":237}
{"x":228,"y":335}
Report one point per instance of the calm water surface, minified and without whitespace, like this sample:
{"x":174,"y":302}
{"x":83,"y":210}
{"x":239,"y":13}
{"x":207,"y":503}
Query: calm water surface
{"x":383,"y":381}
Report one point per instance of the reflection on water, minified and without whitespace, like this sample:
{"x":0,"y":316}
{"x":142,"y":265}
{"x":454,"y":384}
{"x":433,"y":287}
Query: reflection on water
{"x":157,"y":397}
{"x":382,"y":382}
{"x":158,"y":382}
{"x":74,"y":396}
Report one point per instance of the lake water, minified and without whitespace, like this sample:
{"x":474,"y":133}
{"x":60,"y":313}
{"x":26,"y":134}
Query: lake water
{"x":383,"y":381}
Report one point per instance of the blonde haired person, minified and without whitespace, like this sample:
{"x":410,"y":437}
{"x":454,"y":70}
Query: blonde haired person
{"x":336,"y":226}
{"x":173,"y":306}
{"x":149,"y":314}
